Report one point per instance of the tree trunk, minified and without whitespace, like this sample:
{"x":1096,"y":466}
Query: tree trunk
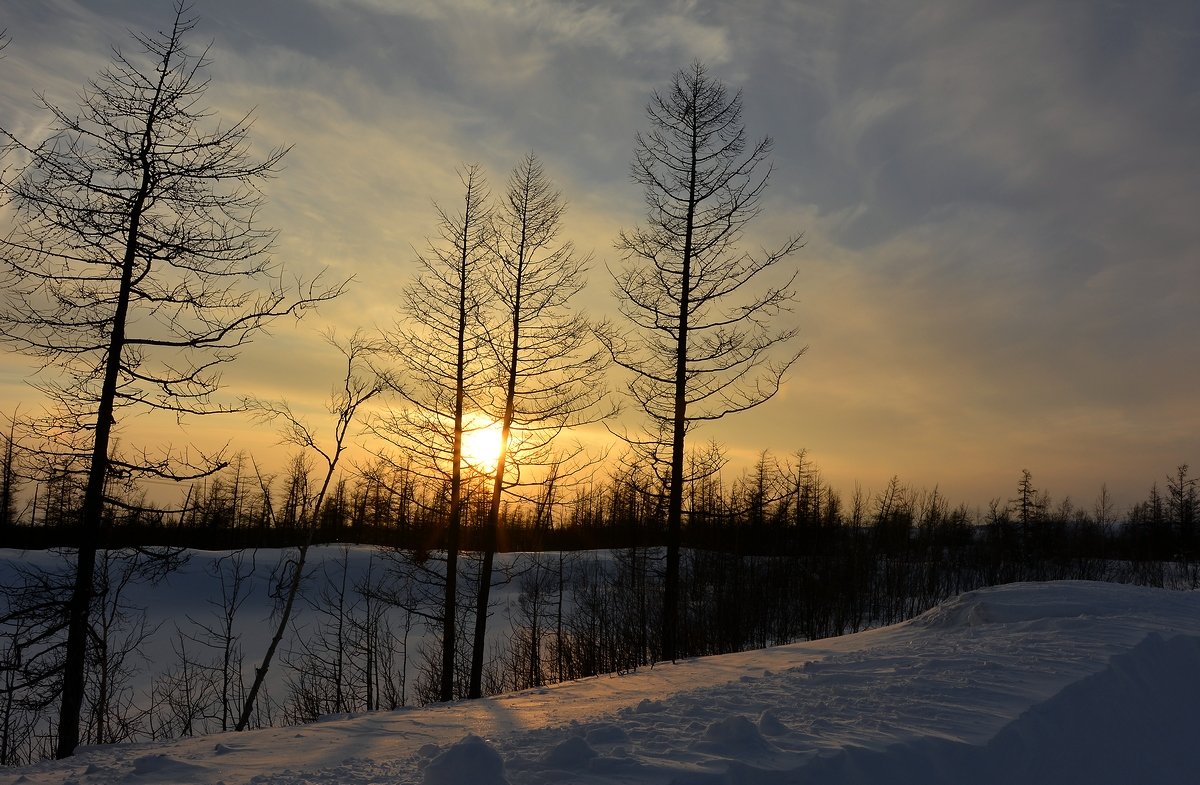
{"x":678,"y":429}
{"x":92,"y":514}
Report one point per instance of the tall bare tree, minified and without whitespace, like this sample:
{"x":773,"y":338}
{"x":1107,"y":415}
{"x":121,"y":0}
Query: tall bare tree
{"x":550,"y":368}
{"x":442,"y":361}
{"x":703,"y":345}
{"x":134,"y":270}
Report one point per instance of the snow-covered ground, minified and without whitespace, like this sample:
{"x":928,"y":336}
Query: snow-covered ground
{"x":1030,"y":683}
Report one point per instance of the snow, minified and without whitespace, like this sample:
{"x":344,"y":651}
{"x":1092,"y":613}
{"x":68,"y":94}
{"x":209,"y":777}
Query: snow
{"x":1068,"y":682}
{"x":469,"y":760}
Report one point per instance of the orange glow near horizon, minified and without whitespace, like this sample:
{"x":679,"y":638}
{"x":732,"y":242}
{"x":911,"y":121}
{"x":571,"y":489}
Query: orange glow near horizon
{"x":482,"y":444}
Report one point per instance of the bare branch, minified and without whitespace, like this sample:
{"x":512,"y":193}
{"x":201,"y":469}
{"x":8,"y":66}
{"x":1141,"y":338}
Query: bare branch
{"x":135,"y":266}
{"x":702,"y":344}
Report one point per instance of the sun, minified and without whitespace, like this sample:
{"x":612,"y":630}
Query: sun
{"x":482,"y":443}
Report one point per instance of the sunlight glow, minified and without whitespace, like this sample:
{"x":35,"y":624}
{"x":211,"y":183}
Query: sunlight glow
{"x":482,"y":444}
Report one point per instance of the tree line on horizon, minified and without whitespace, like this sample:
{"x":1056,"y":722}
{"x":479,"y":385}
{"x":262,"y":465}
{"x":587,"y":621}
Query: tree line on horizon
{"x":382,"y":503}
{"x":386,"y":502}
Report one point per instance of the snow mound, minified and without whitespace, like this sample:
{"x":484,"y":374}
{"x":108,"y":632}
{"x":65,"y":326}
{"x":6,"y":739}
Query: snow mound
{"x":1037,"y":603}
{"x":1134,"y":721}
{"x":769,"y":724}
{"x":469,"y":760}
{"x":228,"y":749}
{"x":734,"y":737}
{"x":607,"y":734}
{"x":570,"y":755}
{"x":164,"y":768}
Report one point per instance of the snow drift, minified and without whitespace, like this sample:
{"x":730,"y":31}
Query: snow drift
{"x":1027,"y":683}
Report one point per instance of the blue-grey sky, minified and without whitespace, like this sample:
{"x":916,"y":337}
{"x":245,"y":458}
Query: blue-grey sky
{"x":1001,"y":201}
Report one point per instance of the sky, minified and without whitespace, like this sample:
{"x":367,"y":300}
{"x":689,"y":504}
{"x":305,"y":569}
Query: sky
{"x":999,"y":200}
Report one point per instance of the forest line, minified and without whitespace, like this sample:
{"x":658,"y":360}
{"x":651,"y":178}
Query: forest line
{"x":777,"y":503}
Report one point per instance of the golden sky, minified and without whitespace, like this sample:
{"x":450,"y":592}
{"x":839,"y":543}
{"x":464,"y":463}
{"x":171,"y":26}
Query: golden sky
{"x":1000,"y":200}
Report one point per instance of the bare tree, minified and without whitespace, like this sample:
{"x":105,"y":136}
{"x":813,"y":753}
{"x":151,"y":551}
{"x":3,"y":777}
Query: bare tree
{"x":550,"y":369}
{"x":1104,"y":509}
{"x":10,"y":482}
{"x":1182,"y":503}
{"x":1029,"y":511}
{"x":703,"y":345}
{"x":441,"y":354}
{"x":31,"y":627}
{"x":233,"y":576}
{"x":321,"y":662}
{"x":185,"y":697}
{"x":359,"y":385}
{"x":136,"y":268}
{"x":119,"y":633}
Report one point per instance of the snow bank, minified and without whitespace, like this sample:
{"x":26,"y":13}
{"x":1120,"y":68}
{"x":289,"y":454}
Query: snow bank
{"x":1134,"y":721}
{"x":1029,"y":683}
{"x":1042,"y":603}
{"x":470,"y":760}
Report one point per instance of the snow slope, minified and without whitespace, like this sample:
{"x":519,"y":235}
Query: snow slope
{"x":1067,"y":682}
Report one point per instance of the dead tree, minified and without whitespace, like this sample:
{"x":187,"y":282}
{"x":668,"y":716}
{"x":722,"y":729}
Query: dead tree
{"x":10,"y":481}
{"x":442,"y":366}
{"x":702,"y":344}
{"x":550,"y":368}
{"x":134,"y":271}
{"x":359,"y":385}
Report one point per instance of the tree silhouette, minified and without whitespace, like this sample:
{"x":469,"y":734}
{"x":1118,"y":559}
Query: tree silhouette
{"x":136,"y":269}
{"x":359,"y":385}
{"x":10,"y":482}
{"x":1027,"y":509}
{"x":702,"y":345}
{"x":442,"y":367}
{"x":550,"y":370}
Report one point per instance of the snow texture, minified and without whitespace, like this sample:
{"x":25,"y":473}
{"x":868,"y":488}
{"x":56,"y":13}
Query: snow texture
{"x":470,"y":760}
{"x":1069,"y":682}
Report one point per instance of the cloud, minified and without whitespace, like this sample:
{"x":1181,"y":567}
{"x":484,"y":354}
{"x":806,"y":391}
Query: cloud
{"x":1000,"y":200}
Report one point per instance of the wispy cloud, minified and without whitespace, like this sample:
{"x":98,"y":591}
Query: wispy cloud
{"x":1000,"y":198}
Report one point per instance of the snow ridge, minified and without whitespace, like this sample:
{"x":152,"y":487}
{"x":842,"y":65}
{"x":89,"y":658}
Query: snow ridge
{"x":1029,"y":683}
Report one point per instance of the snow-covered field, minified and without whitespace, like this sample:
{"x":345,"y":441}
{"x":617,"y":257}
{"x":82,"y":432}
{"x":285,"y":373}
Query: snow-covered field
{"x":1029,"y":683}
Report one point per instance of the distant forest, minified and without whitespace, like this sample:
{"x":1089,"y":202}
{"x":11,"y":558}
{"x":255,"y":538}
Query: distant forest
{"x":779,"y":506}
